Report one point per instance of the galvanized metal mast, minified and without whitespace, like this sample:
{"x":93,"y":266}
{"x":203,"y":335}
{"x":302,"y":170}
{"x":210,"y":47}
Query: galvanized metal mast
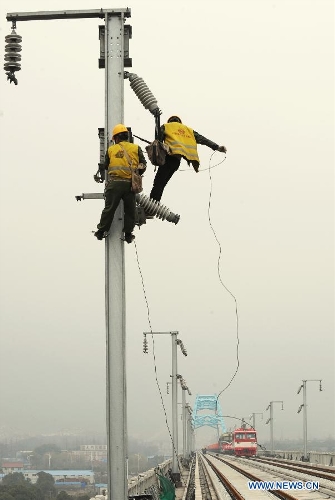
{"x":184,"y":413}
{"x":270,"y":406}
{"x":253,"y":416}
{"x":304,"y":407}
{"x":115,"y":276}
{"x":189,"y":431}
{"x":175,"y":342}
{"x":114,"y":253}
{"x":175,"y":468}
{"x":184,"y":423}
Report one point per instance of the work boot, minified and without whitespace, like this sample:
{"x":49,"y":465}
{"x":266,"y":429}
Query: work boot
{"x":99,"y":235}
{"x":129,"y":237}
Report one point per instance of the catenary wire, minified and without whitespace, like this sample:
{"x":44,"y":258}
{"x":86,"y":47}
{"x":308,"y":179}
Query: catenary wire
{"x":202,"y":169}
{"x":154,"y":358}
{"x":221,"y":281}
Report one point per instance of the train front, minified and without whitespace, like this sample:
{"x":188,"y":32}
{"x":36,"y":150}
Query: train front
{"x":245,"y":442}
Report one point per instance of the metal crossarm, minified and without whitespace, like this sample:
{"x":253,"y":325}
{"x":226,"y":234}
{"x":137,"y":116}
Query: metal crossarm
{"x":66,"y":14}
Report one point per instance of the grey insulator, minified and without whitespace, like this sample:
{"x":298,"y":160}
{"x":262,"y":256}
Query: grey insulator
{"x":12,"y":49}
{"x":154,"y":208}
{"x":13,"y":37}
{"x":143,"y":93}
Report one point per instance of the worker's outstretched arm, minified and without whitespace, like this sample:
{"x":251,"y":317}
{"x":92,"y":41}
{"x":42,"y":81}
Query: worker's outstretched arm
{"x":200,"y":139}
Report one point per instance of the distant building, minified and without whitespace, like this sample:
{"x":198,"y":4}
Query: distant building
{"x":10,"y":467}
{"x":94,"y":447}
{"x":101,"y":488}
{"x":91,"y":452}
{"x":62,"y":475}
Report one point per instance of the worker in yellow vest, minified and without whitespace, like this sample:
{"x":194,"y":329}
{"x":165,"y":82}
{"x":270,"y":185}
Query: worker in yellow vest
{"x":182,"y":142}
{"x":120,"y":158}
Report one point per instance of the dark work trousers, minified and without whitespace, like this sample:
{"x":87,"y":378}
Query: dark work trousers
{"x":115,"y":192}
{"x":163,"y":175}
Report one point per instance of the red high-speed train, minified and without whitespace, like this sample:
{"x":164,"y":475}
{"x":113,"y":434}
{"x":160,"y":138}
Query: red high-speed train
{"x":242,"y":444}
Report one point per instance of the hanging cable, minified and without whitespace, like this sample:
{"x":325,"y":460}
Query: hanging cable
{"x":225,"y":287}
{"x":202,"y":169}
{"x":155,"y":364}
{"x":221,"y":281}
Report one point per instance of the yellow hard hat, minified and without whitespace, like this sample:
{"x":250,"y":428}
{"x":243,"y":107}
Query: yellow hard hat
{"x":118,"y":129}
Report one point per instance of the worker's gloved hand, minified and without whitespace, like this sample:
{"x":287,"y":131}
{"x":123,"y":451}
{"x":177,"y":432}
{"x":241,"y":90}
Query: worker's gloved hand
{"x":222,"y":149}
{"x":142,"y":168}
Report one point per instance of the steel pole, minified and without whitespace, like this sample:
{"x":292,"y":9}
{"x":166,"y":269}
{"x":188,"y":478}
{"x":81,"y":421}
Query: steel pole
{"x":175,"y":470}
{"x":188,"y":437}
{"x":253,"y":420}
{"x":116,"y":414}
{"x":184,"y":421}
{"x":115,"y":277}
{"x":304,"y":394}
{"x":271,"y":426}
{"x":192,"y":440}
{"x":191,"y":437}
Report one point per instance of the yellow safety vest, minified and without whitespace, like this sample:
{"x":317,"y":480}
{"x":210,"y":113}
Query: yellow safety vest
{"x":119,"y":162}
{"x":181,"y":141}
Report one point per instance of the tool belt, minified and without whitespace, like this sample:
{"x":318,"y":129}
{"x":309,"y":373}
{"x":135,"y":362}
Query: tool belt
{"x":117,"y":178}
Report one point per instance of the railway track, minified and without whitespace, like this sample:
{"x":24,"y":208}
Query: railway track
{"x":311,"y":469}
{"x":298,"y":472}
{"x":233,"y":488}
{"x":208,"y":491}
{"x":226,"y":479}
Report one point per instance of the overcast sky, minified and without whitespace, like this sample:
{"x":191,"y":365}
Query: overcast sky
{"x":254,"y":75}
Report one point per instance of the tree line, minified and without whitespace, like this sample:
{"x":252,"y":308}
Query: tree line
{"x":16,"y":487}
